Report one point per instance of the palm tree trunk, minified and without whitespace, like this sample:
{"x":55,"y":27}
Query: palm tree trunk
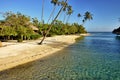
{"x":51,"y":14}
{"x":52,"y":23}
{"x":64,"y":17}
{"x":68,"y":19}
{"x":42,"y":10}
{"x":78,"y":20}
{"x":8,"y":37}
{"x":60,"y":15}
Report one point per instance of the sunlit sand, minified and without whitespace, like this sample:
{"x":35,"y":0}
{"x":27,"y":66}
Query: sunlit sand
{"x":13,"y":54}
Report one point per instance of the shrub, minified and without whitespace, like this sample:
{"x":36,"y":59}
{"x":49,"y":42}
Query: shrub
{"x":35,"y":36}
{"x":19,"y":40}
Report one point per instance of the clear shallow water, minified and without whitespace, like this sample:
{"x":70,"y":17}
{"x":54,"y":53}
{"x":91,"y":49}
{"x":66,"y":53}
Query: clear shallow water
{"x":96,"y":57}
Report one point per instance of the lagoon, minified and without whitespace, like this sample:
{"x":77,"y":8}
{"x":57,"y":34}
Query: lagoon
{"x":95,"y":57}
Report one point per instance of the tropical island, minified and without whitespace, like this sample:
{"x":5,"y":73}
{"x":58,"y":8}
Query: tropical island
{"x":20,"y":35}
{"x":58,"y":40}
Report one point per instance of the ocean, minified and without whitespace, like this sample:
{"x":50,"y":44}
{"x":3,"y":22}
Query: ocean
{"x":95,"y":57}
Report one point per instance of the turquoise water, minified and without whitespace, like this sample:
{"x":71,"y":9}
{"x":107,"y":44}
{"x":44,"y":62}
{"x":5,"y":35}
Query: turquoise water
{"x":96,"y":57}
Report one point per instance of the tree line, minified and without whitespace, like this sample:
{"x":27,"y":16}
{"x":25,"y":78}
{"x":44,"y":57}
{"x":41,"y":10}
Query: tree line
{"x":66,"y":8}
{"x":17,"y":26}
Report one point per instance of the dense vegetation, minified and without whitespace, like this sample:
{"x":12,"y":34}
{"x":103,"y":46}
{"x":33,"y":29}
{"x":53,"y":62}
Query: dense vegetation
{"x":17,"y":26}
{"x":20,"y":27}
{"x":117,"y":31}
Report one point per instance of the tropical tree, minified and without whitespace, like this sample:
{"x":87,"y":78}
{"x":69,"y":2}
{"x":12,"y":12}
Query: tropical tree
{"x":52,"y":23}
{"x":35,"y":22}
{"x":15,"y":20}
{"x":64,"y":9}
{"x":69,"y":12}
{"x":55,"y":3}
{"x":87,"y":16}
{"x":42,"y":20}
{"x":16,"y":25}
{"x":79,"y":15}
{"x":72,"y":29}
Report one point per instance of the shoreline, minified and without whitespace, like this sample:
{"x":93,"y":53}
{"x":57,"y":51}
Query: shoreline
{"x":15,"y":54}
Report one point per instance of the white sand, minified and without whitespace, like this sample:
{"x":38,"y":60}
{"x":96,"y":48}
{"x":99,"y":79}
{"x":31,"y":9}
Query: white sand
{"x":14,"y":54}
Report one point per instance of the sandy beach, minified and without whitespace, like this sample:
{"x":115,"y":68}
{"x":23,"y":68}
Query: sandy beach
{"x":13,"y":54}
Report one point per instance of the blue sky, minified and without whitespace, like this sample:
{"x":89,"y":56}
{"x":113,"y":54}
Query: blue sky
{"x":105,"y":12}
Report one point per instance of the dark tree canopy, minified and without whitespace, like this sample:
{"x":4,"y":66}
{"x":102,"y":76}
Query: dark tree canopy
{"x":117,"y":31}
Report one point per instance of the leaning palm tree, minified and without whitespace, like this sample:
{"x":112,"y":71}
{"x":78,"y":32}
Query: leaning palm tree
{"x":54,"y":2}
{"x":87,"y":16}
{"x":64,"y":9}
{"x":42,"y":11}
{"x":79,"y":15}
{"x":69,"y":12}
{"x":52,"y":23}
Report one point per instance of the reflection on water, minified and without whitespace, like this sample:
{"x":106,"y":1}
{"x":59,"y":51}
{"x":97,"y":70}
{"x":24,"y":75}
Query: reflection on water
{"x":80,"y":38}
{"x":93,"y":58}
{"x":118,"y":37}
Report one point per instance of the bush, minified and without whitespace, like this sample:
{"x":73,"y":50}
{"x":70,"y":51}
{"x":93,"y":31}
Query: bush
{"x":19,"y":40}
{"x":35,"y":36}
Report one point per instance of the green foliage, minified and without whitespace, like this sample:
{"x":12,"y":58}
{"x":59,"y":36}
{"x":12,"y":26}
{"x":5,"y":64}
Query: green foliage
{"x":81,"y":29}
{"x":6,"y":30}
{"x":20,"y":40}
{"x":72,"y":29}
{"x":35,"y":22}
{"x":35,"y":36}
{"x":87,"y":16}
{"x":17,"y":26}
{"x":15,"y":20}
{"x":58,"y":28}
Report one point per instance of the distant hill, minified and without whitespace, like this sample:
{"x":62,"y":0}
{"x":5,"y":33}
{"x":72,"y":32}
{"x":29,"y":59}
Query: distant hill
{"x":116,"y":31}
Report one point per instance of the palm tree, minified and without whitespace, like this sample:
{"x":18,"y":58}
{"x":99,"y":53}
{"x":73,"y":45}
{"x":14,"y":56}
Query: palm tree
{"x":54,"y":2}
{"x":87,"y":16}
{"x":52,"y":23}
{"x":79,"y":15}
{"x":69,"y":12}
{"x":64,"y":9}
{"x":42,"y":11}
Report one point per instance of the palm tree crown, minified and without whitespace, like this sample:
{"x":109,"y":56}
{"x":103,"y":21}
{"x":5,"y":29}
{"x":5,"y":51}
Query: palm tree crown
{"x":70,"y":11}
{"x":88,"y":16}
{"x":79,"y":15}
{"x":55,"y":2}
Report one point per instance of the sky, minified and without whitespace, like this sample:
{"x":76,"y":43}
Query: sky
{"x":105,"y":12}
